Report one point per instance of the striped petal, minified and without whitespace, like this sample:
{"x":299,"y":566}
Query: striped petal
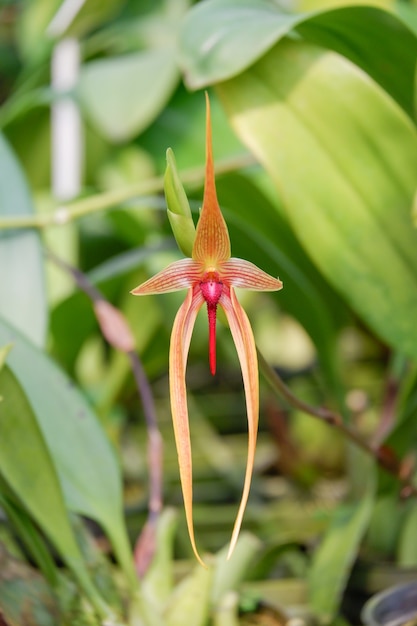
{"x":179,"y":275}
{"x":245,"y":346}
{"x":178,"y":353}
{"x":242,"y":273}
{"x":212,"y":243}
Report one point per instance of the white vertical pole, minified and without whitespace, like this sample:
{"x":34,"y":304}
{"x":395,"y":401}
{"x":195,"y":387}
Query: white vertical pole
{"x":66,"y":129}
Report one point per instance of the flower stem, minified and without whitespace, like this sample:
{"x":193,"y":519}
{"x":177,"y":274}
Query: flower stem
{"x":383,"y":456}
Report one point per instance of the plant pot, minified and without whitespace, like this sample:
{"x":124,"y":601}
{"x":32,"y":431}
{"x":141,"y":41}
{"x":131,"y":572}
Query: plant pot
{"x":392,"y":607}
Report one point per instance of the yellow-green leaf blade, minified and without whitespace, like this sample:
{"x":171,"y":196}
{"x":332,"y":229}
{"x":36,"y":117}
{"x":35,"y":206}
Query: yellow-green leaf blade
{"x":342,"y":154}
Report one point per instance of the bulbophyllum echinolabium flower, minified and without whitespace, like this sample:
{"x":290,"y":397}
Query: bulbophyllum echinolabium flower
{"x":210,"y":276}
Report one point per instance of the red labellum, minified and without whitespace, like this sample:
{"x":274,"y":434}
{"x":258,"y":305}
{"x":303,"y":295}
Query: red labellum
{"x":211,"y":290}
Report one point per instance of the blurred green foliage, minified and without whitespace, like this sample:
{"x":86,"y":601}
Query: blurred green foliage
{"x":314,"y":134}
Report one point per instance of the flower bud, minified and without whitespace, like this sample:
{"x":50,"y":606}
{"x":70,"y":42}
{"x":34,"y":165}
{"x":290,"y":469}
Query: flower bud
{"x":178,"y":208}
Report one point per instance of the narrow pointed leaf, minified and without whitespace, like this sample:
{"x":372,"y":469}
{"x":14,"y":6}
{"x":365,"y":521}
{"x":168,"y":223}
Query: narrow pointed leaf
{"x":28,"y":532}
{"x":342,"y":153}
{"x":334,"y":558}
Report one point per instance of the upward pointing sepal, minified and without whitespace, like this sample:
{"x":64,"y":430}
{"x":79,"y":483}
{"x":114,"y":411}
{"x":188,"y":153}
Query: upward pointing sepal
{"x":212,"y":243}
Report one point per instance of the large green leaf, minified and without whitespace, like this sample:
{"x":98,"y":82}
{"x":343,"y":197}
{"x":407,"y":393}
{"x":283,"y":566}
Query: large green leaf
{"x":86,"y":465}
{"x":28,"y":469}
{"x":23,"y":299}
{"x":221,"y":38}
{"x":123,"y":95}
{"x":343,"y":156}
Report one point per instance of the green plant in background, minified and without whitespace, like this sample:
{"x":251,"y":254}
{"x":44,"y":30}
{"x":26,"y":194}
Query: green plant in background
{"x":316,"y":181}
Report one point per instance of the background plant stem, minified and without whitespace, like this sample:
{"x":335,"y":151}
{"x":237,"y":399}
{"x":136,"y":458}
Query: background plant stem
{"x":66,"y":213}
{"x":381,"y":454}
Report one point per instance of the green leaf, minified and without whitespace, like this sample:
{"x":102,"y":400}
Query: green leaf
{"x":23,"y":299}
{"x":86,"y":465}
{"x":25,"y":598}
{"x":158,"y":582}
{"x":221,"y":38}
{"x":342,"y":154}
{"x":407,"y":545}
{"x":4,"y":351}
{"x":210,"y":54}
{"x":32,"y":22}
{"x":385,"y":523}
{"x":229,"y":573}
{"x":178,"y":207}
{"x":191,"y":597}
{"x":91,"y":15}
{"x":123,"y":95}
{"x":335,"y":556}
{"x":27,"y":467}
{"x":30,"y":536}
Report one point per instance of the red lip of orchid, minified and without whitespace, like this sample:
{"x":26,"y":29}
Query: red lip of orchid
{"x":210,"y":276}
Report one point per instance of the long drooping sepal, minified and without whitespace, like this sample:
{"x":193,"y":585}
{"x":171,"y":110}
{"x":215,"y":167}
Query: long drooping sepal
{"x":212,"y":243}
{"x":242,"y":273}
{"x":179,"y":275}
{"x":180,"y":343}
{"x":245,"y":346}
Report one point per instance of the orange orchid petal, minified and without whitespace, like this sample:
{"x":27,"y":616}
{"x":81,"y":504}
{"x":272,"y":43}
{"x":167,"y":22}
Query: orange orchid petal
{"x":210,"y":276}
{"x":212,"y":243}
{"x":242,"y":273}
{"x":178,"y":275}
{"x":178,"y":352}
{"x":245,"y":346}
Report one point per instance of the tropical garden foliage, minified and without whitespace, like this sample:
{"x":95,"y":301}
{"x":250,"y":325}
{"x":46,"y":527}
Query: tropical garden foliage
{"x":315,"y":152}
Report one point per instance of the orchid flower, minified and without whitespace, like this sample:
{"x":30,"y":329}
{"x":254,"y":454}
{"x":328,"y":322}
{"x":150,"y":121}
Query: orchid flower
{"x":210,"y":276}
